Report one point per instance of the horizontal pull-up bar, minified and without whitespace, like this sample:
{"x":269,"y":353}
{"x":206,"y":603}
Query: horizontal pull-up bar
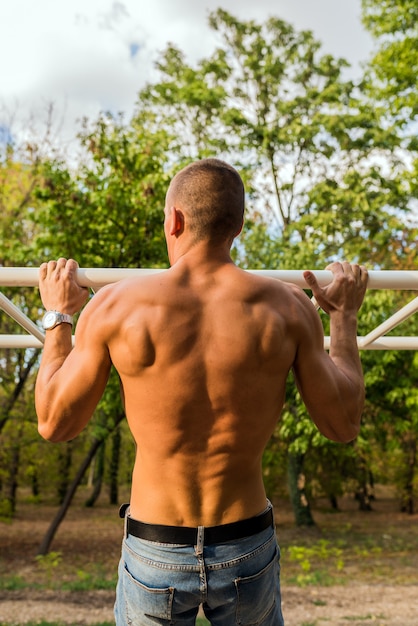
{"x":96,"y":277}
{"x":382,"y":343}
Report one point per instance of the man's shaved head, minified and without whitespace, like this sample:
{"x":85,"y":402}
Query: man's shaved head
{"x":211,"y":194}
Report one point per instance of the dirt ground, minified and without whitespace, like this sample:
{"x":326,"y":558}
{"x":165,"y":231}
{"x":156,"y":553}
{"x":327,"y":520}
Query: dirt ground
{"x":379,"y":592}
{"x":358,"y":605}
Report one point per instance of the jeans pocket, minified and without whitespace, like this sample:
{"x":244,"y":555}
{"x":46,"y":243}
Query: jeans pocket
{"x":142,"y":601}
{"x":257,"y":594}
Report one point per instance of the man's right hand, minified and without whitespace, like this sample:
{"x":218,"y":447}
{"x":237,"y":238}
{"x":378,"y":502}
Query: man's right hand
{"x":59,"y":288}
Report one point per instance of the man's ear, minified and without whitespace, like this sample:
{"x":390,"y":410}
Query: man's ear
{"x":176,"y":221}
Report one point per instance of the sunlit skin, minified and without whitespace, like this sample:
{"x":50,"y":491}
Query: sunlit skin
{"x":203,"y":351}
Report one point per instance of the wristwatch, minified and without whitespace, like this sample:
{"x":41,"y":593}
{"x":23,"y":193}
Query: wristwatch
{"x":53,"y":318}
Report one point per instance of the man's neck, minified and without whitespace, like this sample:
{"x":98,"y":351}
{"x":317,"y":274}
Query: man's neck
{"x":203,"y":254}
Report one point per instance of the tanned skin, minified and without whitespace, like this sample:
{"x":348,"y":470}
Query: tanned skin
{"x":203,"y":351}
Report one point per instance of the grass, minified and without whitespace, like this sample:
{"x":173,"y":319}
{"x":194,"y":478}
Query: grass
{"x":76,"y":581}
{"x":363,"y":618}
{"x":371,"y":547}
{"x":200,"y":622}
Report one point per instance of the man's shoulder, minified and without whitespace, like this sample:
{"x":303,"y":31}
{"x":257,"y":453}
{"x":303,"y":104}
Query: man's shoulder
{"x":273,"y":286}
{"x":130,"y":287}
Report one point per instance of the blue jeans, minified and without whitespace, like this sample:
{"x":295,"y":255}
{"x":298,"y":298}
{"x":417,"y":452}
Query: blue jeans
{"x":237,"y":583}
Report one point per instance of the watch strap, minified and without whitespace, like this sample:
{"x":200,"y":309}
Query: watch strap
{"x":65,"y":317}
{"x":59,"y":319}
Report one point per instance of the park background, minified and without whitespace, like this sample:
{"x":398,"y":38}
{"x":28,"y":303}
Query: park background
{"x":329,"y":158}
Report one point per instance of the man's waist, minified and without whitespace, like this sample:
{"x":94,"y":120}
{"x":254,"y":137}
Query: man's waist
{"x":187,"y":535}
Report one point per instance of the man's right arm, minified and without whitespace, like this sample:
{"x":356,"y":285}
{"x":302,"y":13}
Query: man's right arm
{"x":71,"y":380}
{"x":332,"y":385}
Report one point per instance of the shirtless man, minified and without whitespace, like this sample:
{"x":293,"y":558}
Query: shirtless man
{"x":203,"y":351}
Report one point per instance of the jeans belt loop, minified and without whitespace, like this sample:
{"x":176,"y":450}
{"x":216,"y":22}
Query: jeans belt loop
{"x":200,"y":540}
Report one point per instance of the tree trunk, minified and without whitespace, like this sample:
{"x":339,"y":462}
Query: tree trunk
{"x":98,"y":477}
{"x":13,"y":477}
{"x":333,"y":500}
{"x":298,"y":497}
{"x":50,"y":534}
{"x":53,"y":527}
{"x":23,"y":376}
{"x":64,"y":467}
{"x":364,"y":491}
{"x":409,"y":445}
{"x":114,"y":466}
{"x":34,"y":480}
{"x":12,"y":482}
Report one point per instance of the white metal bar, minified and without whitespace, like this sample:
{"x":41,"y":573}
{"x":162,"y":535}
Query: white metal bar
{"x":87,"y":277}
{"x":393,"y":321}
{"x":389,"y":343}
{"x":97,"y":277}
{"x":14,"y":312}
{"x":383,"y":343}
{"x":378,"y":279}
{"x":20,"y":341}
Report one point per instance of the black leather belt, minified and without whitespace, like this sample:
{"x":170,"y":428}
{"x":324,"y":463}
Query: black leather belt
{"x":188,"y":536}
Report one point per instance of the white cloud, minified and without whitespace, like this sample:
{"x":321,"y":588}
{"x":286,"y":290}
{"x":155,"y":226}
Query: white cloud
{"x":87,"y":56}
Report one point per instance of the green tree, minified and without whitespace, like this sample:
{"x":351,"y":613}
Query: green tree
{"x":329,"y":169}
{"x":325,"y":177}
{"x":19,"y":176}
{"x":267,"y":99}
{"x":390,"y":420}
{"x":391,"y":80}
{"x":390,"y":87}
{"x":114,"y":199}
{"x":393,"y":70}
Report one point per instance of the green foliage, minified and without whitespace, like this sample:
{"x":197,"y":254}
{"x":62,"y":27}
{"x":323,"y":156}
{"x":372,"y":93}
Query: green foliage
{"x":391,"y":82}
{"x":115,"y":199}
{"x":331,"y":171}
{"x":324,"y":174}
{"x":274,"y":466}
{"x":87,"y":581}
{"x":108,"y":211}
{"x":394,"y":68}
{"x":267,"y":100}
{"x":12,"y":583}
{"x":391,"y":417}
{"x":321,"y":562}
{"x":48,"y":563}
{"x":188,"y":103}
{"x":20,"y":173}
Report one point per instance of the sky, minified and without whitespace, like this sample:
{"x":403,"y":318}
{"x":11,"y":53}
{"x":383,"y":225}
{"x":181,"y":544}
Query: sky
{"x":86,"y":56}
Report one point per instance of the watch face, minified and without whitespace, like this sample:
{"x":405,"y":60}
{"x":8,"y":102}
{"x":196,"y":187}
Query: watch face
{"x":50,"y":319}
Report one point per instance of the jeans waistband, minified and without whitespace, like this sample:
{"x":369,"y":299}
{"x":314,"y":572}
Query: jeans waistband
{"x":187,"y":535}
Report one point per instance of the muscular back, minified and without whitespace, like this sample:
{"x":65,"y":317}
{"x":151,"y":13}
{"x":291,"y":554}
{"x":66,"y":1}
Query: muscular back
{"x":203,"y":351}
{"x":203,"y":361}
